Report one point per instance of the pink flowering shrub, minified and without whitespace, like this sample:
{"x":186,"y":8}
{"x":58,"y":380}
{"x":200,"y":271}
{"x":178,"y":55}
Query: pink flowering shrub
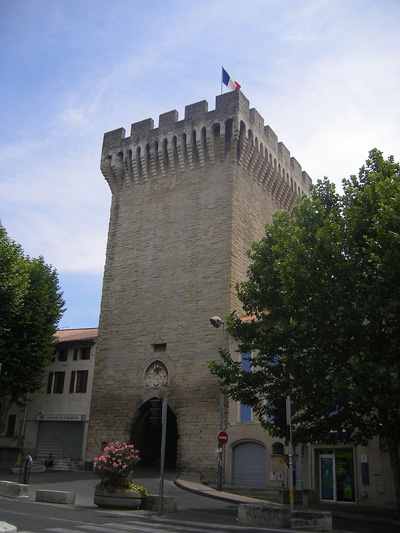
{"x":115,"y":466}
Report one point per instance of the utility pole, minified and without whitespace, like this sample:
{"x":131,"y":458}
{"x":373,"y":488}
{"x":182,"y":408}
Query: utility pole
{"x":289,"y":423}
{"x":163,"y":444}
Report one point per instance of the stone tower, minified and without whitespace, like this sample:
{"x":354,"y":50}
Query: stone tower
{"x":188,"y":199}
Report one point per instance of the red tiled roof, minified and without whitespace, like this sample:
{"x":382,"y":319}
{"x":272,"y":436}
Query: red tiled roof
{"x":251,"y":318}
{"x":248,"y":318}
{"x":82,"y":334}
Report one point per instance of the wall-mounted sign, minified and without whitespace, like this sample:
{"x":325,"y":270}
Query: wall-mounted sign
{"x":60,"y":418}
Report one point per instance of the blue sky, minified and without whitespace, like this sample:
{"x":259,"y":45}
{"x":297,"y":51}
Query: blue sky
{"x":324,"y":74}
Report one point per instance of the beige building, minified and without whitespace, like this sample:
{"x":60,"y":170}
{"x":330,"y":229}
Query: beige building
{"x":56,"y":420}
{"x":343,"y":473}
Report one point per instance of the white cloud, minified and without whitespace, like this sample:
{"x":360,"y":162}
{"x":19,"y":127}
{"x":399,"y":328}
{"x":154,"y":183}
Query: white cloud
{"x":324,"y":75}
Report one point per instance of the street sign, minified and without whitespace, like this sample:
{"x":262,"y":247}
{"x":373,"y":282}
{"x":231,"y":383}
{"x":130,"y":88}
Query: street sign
{"x":222,"y":437}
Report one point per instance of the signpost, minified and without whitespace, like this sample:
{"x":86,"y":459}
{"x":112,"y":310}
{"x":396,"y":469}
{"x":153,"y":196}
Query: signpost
{"x":163,"y":445}
{"x":222,"y":437}
{"x":289,"y":423}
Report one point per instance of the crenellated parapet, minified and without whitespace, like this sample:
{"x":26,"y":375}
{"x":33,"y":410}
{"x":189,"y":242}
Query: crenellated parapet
{"x":231,"y":133}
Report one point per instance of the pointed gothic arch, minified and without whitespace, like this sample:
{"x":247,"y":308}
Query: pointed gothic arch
{"x":147,"y":438}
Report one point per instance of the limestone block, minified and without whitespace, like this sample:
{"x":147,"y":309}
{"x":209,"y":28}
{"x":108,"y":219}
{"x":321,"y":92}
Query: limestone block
{"x":13,"y":490}
{"x":311,"y":521}
{"x":151,"y":503}
{"x":55,"y":496}
{"x":273,"y":516}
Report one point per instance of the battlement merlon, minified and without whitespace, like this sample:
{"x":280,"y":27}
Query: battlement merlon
{"x":232,"y":118}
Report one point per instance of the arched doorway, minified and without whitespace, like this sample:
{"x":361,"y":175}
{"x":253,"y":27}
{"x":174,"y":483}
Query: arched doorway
{"x":147,"y":437}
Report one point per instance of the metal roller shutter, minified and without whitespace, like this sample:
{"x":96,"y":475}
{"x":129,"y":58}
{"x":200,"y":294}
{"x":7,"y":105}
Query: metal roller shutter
{"x":60,"y":438}
{"x":249,"y":464}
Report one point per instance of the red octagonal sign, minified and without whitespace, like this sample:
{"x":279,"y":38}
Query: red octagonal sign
{"x":222,"y":437}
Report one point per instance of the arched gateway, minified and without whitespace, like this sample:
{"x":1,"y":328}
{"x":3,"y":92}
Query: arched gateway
{"x":146,"y":436}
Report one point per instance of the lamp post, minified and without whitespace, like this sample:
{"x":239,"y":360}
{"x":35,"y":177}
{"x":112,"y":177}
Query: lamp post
{"x":217,"y":322}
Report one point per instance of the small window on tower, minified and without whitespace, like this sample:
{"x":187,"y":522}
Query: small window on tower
{"x":160,"y":346}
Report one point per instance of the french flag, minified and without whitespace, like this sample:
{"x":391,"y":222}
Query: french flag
{"x":229,"y":82}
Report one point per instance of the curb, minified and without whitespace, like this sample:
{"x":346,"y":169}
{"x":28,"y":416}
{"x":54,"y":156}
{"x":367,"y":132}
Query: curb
{"x":192,"y":483}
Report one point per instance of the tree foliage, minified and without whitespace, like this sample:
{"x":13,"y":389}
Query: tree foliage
{"x":323,"y":291}
{"x":31,"y":306}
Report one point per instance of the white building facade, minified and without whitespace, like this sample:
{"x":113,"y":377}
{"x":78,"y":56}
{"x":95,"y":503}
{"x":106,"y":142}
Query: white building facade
{"x":56,"y":419}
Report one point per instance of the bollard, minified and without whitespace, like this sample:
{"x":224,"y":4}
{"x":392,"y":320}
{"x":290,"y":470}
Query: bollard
{"x":25,"y":470}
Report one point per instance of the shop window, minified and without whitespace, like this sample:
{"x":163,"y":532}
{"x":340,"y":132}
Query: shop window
{"x":55,"y":383}
{"x":337,"y":476}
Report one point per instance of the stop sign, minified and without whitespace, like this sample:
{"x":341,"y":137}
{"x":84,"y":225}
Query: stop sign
{"x":222,"y":437}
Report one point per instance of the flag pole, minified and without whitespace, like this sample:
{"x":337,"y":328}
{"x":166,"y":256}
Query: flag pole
{"x":222,"y":70}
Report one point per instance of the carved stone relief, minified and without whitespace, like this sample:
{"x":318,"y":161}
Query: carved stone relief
{"x":156,"y":375}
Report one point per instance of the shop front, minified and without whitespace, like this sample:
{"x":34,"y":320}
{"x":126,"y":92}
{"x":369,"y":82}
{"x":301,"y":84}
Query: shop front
{"x":61,"y":435}
{"x":336,"y":475}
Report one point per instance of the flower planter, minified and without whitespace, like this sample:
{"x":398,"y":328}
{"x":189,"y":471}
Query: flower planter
{"x":118,"y":499}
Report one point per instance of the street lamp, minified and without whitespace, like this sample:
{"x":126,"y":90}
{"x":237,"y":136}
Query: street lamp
{"x":217,"y":322}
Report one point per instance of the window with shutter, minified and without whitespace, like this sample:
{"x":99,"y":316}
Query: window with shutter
{"x":12,"y":419}
{"x":81,"y":380}
{"x":63,"y":354}
{"x":84,"y":352}
{"x":72,"y":382}
{"x":50,"y":383}
{"x":58,"y":387}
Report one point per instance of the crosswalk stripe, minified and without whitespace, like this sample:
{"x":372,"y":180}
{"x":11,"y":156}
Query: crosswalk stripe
{"x":60,"y":530}
{"x":206,"y":528}
{"x":174,"y":526}
{"x":110,"y":528}
{"x":152,"y":525}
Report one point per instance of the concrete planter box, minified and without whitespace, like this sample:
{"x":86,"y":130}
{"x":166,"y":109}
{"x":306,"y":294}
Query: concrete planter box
{"x":118,"y":499}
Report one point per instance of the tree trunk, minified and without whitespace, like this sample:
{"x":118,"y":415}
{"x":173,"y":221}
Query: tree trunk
{"x":394,"y":457}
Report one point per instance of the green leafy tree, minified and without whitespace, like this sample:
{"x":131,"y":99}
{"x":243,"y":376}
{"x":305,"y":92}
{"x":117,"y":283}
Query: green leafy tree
{"x":31,"y":306}
{"x":323,"y":294}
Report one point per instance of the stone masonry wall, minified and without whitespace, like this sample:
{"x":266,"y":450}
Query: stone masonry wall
{"x":188,"y":198}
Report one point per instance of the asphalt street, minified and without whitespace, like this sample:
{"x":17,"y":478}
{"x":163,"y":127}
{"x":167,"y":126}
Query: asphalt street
{"x":196,"y":513}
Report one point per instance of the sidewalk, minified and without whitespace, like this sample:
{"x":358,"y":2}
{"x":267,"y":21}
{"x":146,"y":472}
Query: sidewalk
{"x":192,"y":483}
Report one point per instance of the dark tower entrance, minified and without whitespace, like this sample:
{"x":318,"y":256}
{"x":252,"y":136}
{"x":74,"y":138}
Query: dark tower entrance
{"x":146,"y":436}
